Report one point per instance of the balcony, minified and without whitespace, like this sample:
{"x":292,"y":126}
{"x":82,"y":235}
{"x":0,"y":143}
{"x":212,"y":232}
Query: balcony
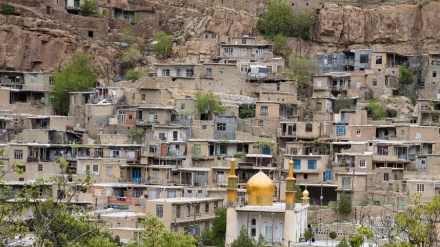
{"x":122,"y":200}
{"x":143,"y":122}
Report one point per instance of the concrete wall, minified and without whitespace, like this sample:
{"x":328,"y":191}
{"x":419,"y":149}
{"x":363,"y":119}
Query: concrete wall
{"x":229,"y":132}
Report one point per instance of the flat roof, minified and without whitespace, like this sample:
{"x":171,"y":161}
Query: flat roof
{"x":186,"y":199}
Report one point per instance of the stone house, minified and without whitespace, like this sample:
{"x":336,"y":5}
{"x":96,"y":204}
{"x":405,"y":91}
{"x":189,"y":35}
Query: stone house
{"x":354,"y":184}
{"x":309,"y":169}
{"x":182,"y":70}
{"x":431,"y":89}
{"x":425,"y":188}
{"x":233,"y":49}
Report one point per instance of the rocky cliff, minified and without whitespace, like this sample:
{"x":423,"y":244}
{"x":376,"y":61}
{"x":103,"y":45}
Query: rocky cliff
{"x":404,"y":29}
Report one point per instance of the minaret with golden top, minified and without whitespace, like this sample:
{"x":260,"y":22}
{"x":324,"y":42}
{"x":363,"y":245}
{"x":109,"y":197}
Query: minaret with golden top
{"x":232,"y":186}
{"x":290,"y":188}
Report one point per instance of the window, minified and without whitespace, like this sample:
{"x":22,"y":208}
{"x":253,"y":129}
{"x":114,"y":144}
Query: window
{"x":221,"y":126}
{"x":264,"y":111}
{"x":243,"y":41}
{"x":18,"y":154}
{"x":294,"y":151}
{"x":90,"y":34}
{"x":297,"y":164}
{"x":188,"y":210}
{"x":197,"y":209}
{"x":171,"y":194}
{"x":220,"y":177}
{"x":203,"y":127}
{"x":362,"y":163}
{"x":309,"y":127}
{"x":358,"y":132}
{"x":215,"y":205}
{"x":386,"y":177}
{"x":189,"y":72}
{"x":33,"y":78}
{"x":434,"y":73}
{"x":374,"y":82}
{"x":95,"y":168}
{"x":346,"y":182}
{"x":260,"y":123}
{"x":206,"y":207}
{"x":40,"y":167}
{"x":318,"y":106}
{"x":109,"y":170}
{"x":223,"y":149}
{"x":435,"y":118}
{"x":229,"y":51}
{"x":378,"y":59}
{"x":244,"y":68}
{"x":115,"y":153}
{"x":340,"y":130}
{"x":311,"y":164}
{"x":122,"y":117}
{"x":152,"y":116}
{"x":166,"y":72}
{"x":162,"y":136}
{"x":197,"y":149}
{"x":382,"y":150}
{"x":143,"y":97}
{"x":50,"y":80}
{"x":364,"y":58}
{"x":87,"y":168}
{"x":98,"y":152}
{"x":420,"y":187}
{"x":55,"y":1}
{"x":182,"y":106}
{"x":177,"y":211}
{"x":220,"y":71}
{"x":159,"y":211}
{"x":155,"y":174}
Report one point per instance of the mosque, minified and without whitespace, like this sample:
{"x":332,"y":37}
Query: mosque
{"x":279,"y":223}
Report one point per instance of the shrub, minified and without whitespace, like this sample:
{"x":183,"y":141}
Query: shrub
{"x":7,"y":9}
{"x":375,"y":109}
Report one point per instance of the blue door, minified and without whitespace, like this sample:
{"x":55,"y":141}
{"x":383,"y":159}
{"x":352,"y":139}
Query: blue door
{"x":136,"y":175}
{"x":266,"y":150}
{"x":328,"y":175}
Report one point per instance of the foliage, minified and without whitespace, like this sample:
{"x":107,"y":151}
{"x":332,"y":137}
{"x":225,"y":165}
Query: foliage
{"x":298,"y":193}
{"x":281,"y":46}
{"x":216,"y":235}
{"x":244,"y":240}
{"x":302,"y":69}
{"x":357,"y":240}
{"x":332,"y":235}
{"x":309,"y":234}
{"x":87,"y":7}
{"x":406,"y":76}
{"x":375,"y":109}
{"x":134,"y":74}
{"x":131,"y":56}
{"x":343,"y":205}
{"x":418,"y":224}
{"x":155,"y":235}
{"x":136,"y":133}
{"x":343,"y":243}
{"x":280,"y":19}
{"x":7,"y":9}
{"x":208,"y":103}
{"x":342,"y":103}
{"x":78,"y":75}
{"x":245,"y":113}
{"x":265,"y":143}
{"x":239,"y":155}
{"x":163,"y":44}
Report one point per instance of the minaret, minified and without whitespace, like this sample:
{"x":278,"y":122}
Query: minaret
{"x":232,"y":186}
{"x":290,"y":228}
{"x":231,"y":213}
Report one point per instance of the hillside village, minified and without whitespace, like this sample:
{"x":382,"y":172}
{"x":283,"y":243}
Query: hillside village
{"x":181,"y":159}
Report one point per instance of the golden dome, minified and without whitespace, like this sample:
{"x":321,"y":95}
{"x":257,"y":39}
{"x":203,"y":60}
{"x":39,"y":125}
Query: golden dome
{"x":305,"y":193}
{"x":260,"y":189}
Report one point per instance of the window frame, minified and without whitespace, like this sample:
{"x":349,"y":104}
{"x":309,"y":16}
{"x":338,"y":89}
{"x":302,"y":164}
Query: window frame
{"x":159,"y":211}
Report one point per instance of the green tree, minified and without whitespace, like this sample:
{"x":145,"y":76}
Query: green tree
{"x":155,"y":235}
{"x":419,"y":224}
{"x":280,"y":19}
{"x":131,"y":56}
{"x":332,"y":235}
{"x":375,"y":109}
{"x":343,"y":243}
{"x":7,"y":9}
{"x":303,"y":68}
{"x":87,"y":7}
{"x":216,"y":235}
{"x":244,"y":240}
{"x":208,"y":104}
{"x":281,"y":46}
{"x":358,"y":239}
{"x":162,"y":45}
{"x":309,"y":234}
{"x":343,"y":206}
{"x":134,"y":74}
{"x":78,"y":75}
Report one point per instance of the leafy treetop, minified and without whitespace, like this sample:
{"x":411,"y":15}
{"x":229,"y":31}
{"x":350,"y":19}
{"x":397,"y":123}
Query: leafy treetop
{"x":208,"y":103}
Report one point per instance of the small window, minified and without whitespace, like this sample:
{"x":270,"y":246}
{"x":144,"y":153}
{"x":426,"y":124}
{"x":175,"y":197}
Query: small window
{"x":294,"y":151}
{"x":55,"y":1}
{"x":318,"y":106}
{"x":40,"y":167}
{"x":188,"y":210}
{"x":203,"y":127}
{"x":90,"y":34}
{"x":386,"y":177}
{"x":264,"y":110}
{"x":159,"y":211}
{"x":182,"y":106}
{"x":50,"y":80}
{"x":109,"y":171}
{"x":177,"y":211}
{"x":208,"y":71}
{"x":434,"y":73}
{"x":215,"y":205}
{"x":18,"y":154}
{"x":223,"y":149}
{"x":420,"y":187}
{"x":358,"y":132}
{"x":311,"y":164}
{"x":220,"y":71}
{"x":260,"y":123}
{"x":374,"y":82}
{"x":197,"y":149}
{"x":362,"y":163}
{"x":221,"y":126}
{"x":143,"y":97}
{"x":378,"y":59}
{"x":243,"y":41}
{"x":364,"y":58}
{"x":340,"y":130}
{"x":309,"y":127}
{"x":95,"y":168}
{"x":206,"y":207}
